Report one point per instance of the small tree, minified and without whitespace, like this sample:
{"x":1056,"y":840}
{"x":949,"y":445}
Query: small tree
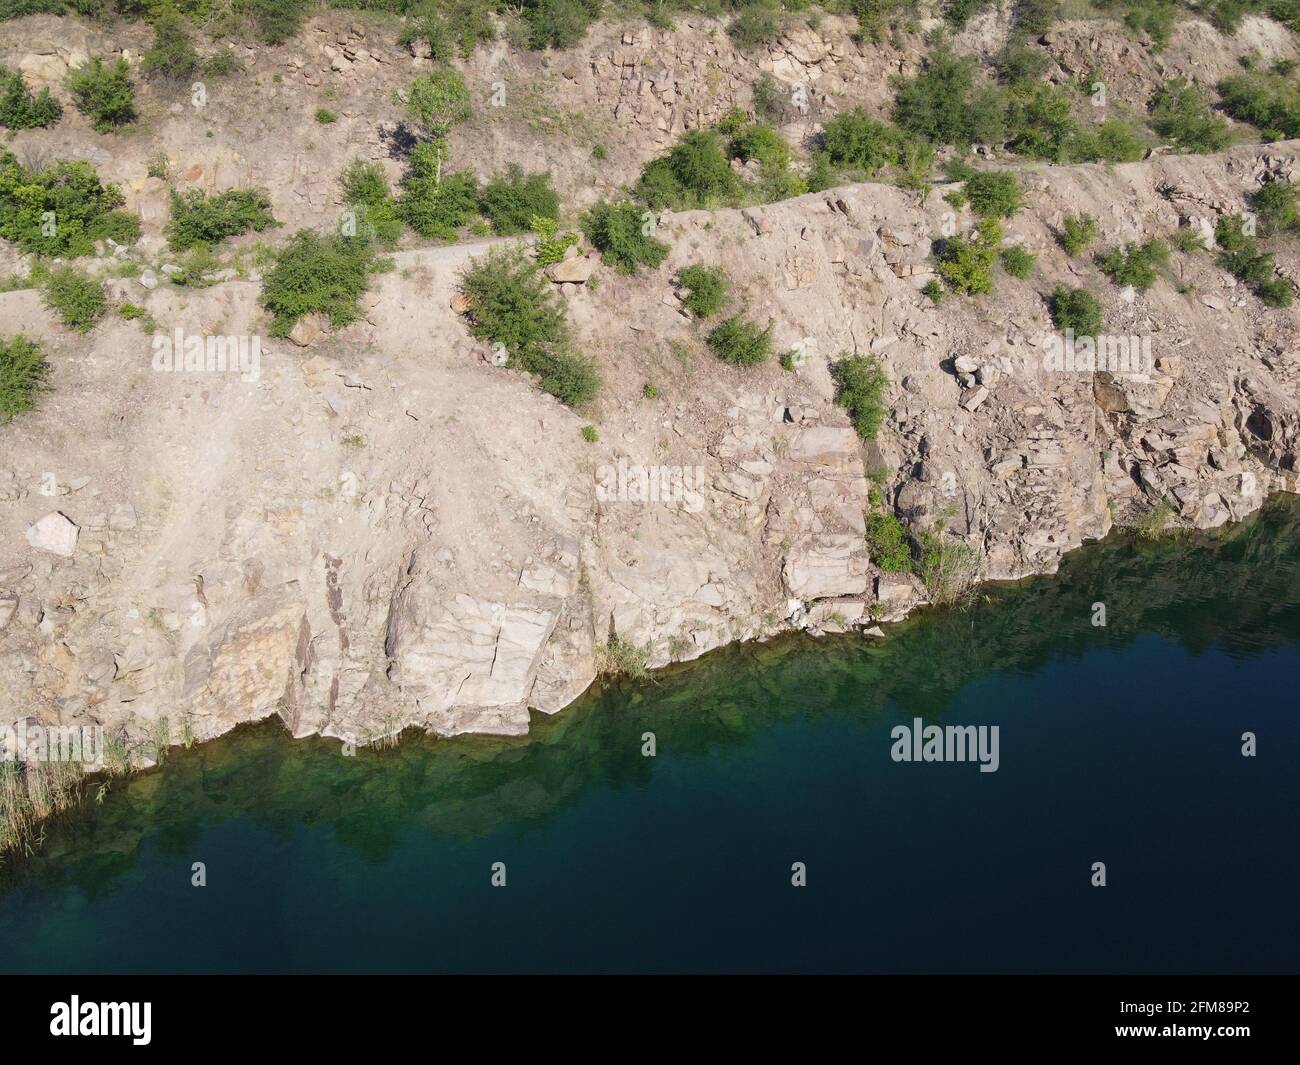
{"x":437,"y":101}
{"x":103,"y":93}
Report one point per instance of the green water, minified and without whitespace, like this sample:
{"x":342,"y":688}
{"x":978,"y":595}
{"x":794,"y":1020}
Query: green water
{"x":1119,"y":744}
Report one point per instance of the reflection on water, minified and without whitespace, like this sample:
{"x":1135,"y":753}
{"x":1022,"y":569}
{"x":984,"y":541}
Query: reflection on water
{"x":730,"y":729}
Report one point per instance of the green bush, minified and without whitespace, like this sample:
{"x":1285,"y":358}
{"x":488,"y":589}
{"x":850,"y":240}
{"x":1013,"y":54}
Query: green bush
{"x":435,"y":204}
{"x":316,"y":274}
{"x":201,"y":219}
{"x":967,"y":265}
{"x":1077,"y":233}
{"x":512,"y":304}
{"x":1076,"y":309}
{"x":558,"y":23}
{"x":172,"y":55}
{"x":437,"y":101}
{"x":277,"y":20}
{"x":756,"y":25}
{"x":1275,"y":206}
{"x":61,"y":210}
{"x":1241,"y":255}
{"x":888,"y":539}
{"x":1135,"y":264}
{"x":993,"y":193}
{"x":103,"y":93}
{"x":821,"y":174}
{"x":19,"y":109}
{"x":770,"y":99}
{"x":23,"y":371}
{"x":1189,"y":239}
{"x":552,"y":245}
{"x":76,"y":298}
{"x":708,"y":290}
{"x":1033,"y":17}
{"x":695,"y":173}
{"x":1267,"y":101}
{"x":325,"y":116}
{"x":762,"y":142}
{"x":512,"y":201}
{"x":1113,"y":141}
{"x":1180,"y":115}
{"x":1018,"y":262}
{"x":860,"y":384}
{"x":365,"y":191}
{"x":450,"y":26}
{"x":621,"y":233}
{"x":741,"y":342}
{"x":946,"y":104}
{"x":1019,"y":65}
{"x":933,"y":290}
{"x":958,"y":12}
{"x":855,"y":139}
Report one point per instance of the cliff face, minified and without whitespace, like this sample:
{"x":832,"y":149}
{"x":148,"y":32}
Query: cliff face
{"x":386,"y":530}
{"x":381,"y":528}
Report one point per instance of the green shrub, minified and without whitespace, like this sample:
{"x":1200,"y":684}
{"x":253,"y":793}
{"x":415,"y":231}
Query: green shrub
{"x":450,"y":26}
{"x":1033,"y":17}
{"x":366,"y":192}
{"x":822,"y":174}
{"x":947,"y":567}
{"x":590,"y":435}
{"x":436,"y":204}
{"x":76,"y":298}
{"x":325,"y":116}
{"x":512,"y":304}
{"x":200,"y":219}
{"x":1018,"y":262}
{"x":967,"y":265}
{"x":1241,"y":255}
{"x":708,"y":290}
{"x":695,"y":173}
{"x":1275,"y":206}
{"x":741,"y":342}
{"x":755,"y":25}
{"x":946,"y":104}
{"x":993,"y":193}
{"x":19,"y":109}
{"x":512,"y":201}
{"x":1188,"y":239}
{"x":61,"y":210}
{"x":1181,"y":116}
{"x":316,"y":274}
{"x":860,"y":384}
{"x":172,"y":55}
{"x":888,"y":539}
{"x":770,"y":99}
{"x":958,"y":12}
{"x":551,"y":245}
{"x":277,"y":20}
{"x":23,"y":372}
{"x":855,"y":139}
{"x":621,"y":233}
{"x":437,"y":101}
{"x":762,"y":142}
{"x":1077,"y":233}
{"x":1076,"y":309}
{"x":1113,"y":141}
{"x":934,"y":290}
{"x":103,"y":93}
{"x":558,"y":23}
{"x":1019,"y":65}
{"x":1135,"y":264}
{"x":1267,"y":101}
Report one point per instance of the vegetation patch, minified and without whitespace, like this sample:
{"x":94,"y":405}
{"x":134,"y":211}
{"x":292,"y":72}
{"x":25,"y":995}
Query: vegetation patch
{"x":19,"y":109}
{"x":375,"y":212}
{"x":621,"y":232}
{"x":1241,"y":255}
{"x":201,"y":219}
{"x":103,"y":93}
{"x":1182,"y":117}
{"x":1135,"y":264}
{"x":707,"y":290}
{"x":316,"y":274}
{"x":435,"y":204}
{"x":741,"y":342}
{"x":860,"y":384}
{"x":1268,"y":101}
{"x":77,"y":299}
{"x":511,"y":202}
{"x":1077,"y":232}
{"x":23,"y":373}
{"x":1076,"y":309}
{"x":512,"y":304}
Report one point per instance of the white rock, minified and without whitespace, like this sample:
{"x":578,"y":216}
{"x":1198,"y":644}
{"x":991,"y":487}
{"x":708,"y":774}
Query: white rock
{"x":54,"y":533}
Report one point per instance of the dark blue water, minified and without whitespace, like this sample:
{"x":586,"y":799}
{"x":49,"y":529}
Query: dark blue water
{"x":1120,"y":745}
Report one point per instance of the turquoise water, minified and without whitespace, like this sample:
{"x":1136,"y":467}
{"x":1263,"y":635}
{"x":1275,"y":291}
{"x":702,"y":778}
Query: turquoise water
{"x":1119,"y":744}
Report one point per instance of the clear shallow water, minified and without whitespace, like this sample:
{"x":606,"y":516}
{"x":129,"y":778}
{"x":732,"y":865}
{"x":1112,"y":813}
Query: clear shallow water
{"x":1119,"y":745}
